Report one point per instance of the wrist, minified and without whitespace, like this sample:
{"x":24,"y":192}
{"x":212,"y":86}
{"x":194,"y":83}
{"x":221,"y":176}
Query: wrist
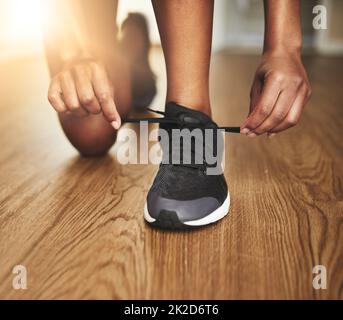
{"x":76,"y":57}
{"x":282,"y":51}
{"x":292,"y":47}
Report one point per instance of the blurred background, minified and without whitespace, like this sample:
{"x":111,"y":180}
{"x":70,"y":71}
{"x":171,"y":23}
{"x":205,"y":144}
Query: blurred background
{"x":238,"y":25}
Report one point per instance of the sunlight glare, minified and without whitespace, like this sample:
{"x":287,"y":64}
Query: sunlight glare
{"x":24,"y":19}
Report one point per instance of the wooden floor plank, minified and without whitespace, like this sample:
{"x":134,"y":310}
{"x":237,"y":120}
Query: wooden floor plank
{"x":77,"y":224}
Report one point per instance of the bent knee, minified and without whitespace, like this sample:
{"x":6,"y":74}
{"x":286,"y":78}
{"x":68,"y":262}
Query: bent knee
{"x":94,"y":145}
{"x":92,"y":137}
{"x":90,"y":150}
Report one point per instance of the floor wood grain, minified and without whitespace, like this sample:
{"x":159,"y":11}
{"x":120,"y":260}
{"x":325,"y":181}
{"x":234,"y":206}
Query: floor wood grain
{"x":77,"y":224}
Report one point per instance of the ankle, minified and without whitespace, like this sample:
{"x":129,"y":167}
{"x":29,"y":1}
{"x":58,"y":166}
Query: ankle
{"x":202,"y":106}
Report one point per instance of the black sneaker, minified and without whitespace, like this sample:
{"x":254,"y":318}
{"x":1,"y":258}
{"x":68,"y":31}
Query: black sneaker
{"x":188,"y":194}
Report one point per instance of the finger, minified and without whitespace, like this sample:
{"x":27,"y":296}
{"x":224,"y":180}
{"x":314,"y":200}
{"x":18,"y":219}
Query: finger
{"x":293,"y":115}
{"x":55,"y":96}
{"x":280,"y":111}
{"x":264,"y":104}
{"x":255,"y":93}
{"x":85,"y":91}
{"x":104,"y":93}
{"x":69,"y":95}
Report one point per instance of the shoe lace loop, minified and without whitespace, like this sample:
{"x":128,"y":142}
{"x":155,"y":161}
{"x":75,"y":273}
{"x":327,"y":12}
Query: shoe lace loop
{"x":183,"y":121}
{"x":189,"y":121}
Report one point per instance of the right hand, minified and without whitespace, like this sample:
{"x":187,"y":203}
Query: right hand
{"x":82,"y":88}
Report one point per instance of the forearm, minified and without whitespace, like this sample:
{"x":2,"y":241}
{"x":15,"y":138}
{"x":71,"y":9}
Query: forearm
{"x":80,"y":29}
{"x":282,"y":26}
{"x":60,"y":37}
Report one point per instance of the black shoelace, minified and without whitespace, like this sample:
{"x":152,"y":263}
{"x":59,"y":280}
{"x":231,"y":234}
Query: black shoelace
{"x":170,"y":120}
{"x":180,"y":123}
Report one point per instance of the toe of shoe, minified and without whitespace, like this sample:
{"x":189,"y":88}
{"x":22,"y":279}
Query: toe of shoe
{"x":172,"y":211}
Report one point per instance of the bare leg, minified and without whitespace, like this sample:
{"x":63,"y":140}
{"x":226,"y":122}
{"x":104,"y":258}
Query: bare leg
{"x":186,"y":33}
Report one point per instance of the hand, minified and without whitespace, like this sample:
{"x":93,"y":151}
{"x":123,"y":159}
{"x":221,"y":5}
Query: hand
{"x":278,"y":95}
{"x":82,"y":88}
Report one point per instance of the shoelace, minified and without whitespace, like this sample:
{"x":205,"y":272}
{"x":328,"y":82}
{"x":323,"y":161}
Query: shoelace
{"x":178,"y":122}
{"x":173,"y":121}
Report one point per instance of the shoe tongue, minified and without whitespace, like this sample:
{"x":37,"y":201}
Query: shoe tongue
{"x":190,"y":119}
{"x":174,"y":110}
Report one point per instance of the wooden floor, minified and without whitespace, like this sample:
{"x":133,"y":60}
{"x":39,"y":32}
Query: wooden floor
{"x":77,"y":224}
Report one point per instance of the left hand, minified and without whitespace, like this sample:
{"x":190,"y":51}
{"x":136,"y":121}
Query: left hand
{"x":278,"y":95}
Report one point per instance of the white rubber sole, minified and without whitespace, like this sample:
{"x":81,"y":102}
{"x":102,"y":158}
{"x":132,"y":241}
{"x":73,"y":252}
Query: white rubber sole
{"x":216,"y":215}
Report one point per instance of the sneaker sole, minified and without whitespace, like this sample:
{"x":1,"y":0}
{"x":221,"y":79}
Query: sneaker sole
{"x":170,"y":221}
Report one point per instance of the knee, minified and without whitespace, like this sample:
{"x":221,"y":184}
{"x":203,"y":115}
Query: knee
{"x":92,"y":138}
{"x":92,"y":151}
{"x":96,"y":144}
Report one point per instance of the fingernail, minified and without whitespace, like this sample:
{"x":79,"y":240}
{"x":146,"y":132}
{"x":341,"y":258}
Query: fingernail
{"x":251,"y":135}
{"x":115,"y":125}
{"x":245,"y":131}
{"x":271,"y":135}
